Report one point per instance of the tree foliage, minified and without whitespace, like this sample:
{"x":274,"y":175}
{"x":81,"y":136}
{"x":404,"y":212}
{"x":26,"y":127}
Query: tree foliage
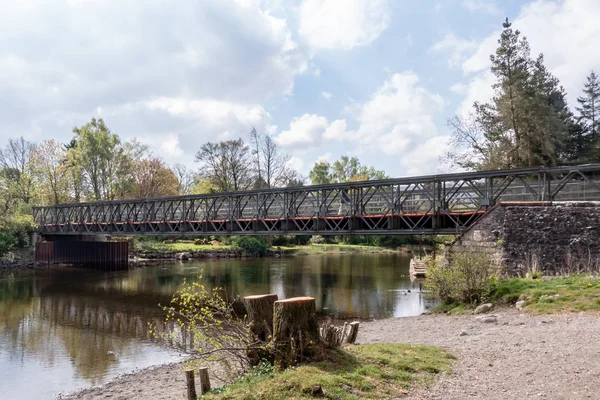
{"x":528,"y":121}
{"x":151,"y":177}
{"x":226,"y":165}
{"x":346,"y":169}
{"x":49,"y":165}
{"x":216,"y":333}
{"x":102,"y":160}
{"x":270,"y":163}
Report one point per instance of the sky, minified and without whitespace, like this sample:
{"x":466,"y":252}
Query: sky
{"x":375,"y":79}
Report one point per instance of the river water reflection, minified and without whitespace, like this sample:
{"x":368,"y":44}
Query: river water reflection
{"x":65,"y":329}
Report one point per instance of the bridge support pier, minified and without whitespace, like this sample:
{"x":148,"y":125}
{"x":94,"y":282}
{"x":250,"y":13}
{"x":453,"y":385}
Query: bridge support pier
{"x":85,"y":251}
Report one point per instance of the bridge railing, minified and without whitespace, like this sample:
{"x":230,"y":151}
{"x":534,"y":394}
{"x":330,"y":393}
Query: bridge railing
{"x":427,"y":204}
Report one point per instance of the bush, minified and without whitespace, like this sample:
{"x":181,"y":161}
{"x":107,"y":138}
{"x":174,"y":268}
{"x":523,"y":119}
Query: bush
{"x":252,"y":244}
{"x":7,"y":241}
{"x":317,"y":239}
{"x":467,"y":278}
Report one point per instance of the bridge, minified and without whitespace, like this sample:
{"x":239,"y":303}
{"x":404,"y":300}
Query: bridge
{"x":434,"y":204}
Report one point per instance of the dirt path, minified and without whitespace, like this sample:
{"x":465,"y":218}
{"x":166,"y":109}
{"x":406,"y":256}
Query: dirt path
{"x":517,"y":357}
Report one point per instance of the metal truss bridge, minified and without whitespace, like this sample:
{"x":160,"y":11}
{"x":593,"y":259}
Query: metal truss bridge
{"x":435,"y":204}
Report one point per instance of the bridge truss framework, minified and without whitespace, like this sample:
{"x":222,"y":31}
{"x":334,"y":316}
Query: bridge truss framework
{"x":435,"y":204}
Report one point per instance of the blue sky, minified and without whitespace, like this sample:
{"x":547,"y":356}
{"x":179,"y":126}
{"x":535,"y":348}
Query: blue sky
{"x":371,"y":78}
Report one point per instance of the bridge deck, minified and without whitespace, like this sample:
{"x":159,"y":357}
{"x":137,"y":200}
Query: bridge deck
{"x":421,"y":205}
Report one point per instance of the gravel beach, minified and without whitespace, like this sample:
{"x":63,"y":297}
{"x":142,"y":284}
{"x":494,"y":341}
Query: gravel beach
{"x":512,"y":356}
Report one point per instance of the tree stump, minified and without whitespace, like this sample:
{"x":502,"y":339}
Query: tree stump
{"x":260,"y":317}
{"x":353,"y":332}
{"x":260,"y":314}
{"x":295,"y":331}
{"x":190,"y":385}
{"x":204,"y":380}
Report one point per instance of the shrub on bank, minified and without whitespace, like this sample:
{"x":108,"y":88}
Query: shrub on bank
{"x":251,"y":244}
{"x":7,"y":242}
{"x":466,"y":278}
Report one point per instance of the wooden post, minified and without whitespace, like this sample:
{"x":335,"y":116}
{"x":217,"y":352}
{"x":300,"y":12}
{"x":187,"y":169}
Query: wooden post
{"x":260,"y":314}
{"x":191,"y":385}
{"x":353,"y":332}
{"x":295,"y":331}
{"x":204,"y":380}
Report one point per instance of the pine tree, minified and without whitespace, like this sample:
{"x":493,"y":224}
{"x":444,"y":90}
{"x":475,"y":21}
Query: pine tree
{"x":551,"y":123}
{"x":504,"y":119}
{"x":589,"y":117}
{"x":528,"y":122}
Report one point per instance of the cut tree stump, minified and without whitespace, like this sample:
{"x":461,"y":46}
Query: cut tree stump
{"x":190,"y":385}
{"x":260,"y":317}
{"x":295,"y":331}
{"x":260,"y":314}
{"x":353,"y":332}
{"x":204,"y":380}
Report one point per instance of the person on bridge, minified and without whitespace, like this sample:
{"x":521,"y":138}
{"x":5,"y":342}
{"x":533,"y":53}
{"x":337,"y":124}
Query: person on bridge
{"x":344,"y":201}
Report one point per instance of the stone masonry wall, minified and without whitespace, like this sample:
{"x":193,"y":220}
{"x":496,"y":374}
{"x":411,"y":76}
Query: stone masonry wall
{"x":555,"y":238}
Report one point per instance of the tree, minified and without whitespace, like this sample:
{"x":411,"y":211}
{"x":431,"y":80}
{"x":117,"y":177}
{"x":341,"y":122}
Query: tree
{"x":15,"y":168}
{"x":75,"y":171}
{"x":320,"y":174}
{"x":589,"y":116}
{"x":185,"y":179}
{"x":152,"y":178}
{"x":227,"y":165}
{"x":50,"y":168}
{"x":589,"y":109}
{"x":349,"y":169}
{"x":271,"y":164}
{"x":105,"y":164}
{"x":346,"y":169}
{"x":528,"y":121}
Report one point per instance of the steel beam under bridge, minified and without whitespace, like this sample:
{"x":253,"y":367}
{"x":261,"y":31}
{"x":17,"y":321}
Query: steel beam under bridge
{"x":434,"y":204}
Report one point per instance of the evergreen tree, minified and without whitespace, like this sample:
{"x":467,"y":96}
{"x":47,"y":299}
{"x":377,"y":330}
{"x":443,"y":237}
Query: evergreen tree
{"x":589,"y":118}
{"x":528,"y":121}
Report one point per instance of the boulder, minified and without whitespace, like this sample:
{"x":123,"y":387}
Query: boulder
{"x":520,"y":304}
{"x":488,"y":319}
{"x":483,"y":308}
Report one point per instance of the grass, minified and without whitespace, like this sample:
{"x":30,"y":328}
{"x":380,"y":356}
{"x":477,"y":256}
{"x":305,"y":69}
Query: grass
{"x":336,"y":248}
{"x":180,"y":246}
{"x":546,"y":296}
{"x":300,"y":250}
{"x":377,"y":371}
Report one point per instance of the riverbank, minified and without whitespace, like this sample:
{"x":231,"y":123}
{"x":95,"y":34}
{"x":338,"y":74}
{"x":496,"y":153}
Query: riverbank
{"x":513,"y":356}
{"x":191,"y":251}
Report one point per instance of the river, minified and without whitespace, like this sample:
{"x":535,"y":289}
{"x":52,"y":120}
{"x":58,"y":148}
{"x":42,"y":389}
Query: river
{"x":63,"y":329}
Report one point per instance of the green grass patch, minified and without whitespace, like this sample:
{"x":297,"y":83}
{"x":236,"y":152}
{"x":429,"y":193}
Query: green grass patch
{"x":336,"y":249}
{"x":377,"y":371}
{"x":545,"y":296}
{"x":181,"y":246}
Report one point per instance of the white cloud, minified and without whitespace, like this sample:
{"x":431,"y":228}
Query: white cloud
{"x":398,"y":117}
{"x":296,"y":163}
{"x":399,"y":112}
{"x":305,"y":131}
{"x":342,"y":24}
{"x":425,"y":158}
{"x":559,"y":30}
{"x":457,"y":47}
{"x":326,"y":95}
{"x":479,"y":88}
{"x":336,"y":130}
{"x":170,"y":145}
{"x":200,"y":70}
{"x":486,"y":6}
